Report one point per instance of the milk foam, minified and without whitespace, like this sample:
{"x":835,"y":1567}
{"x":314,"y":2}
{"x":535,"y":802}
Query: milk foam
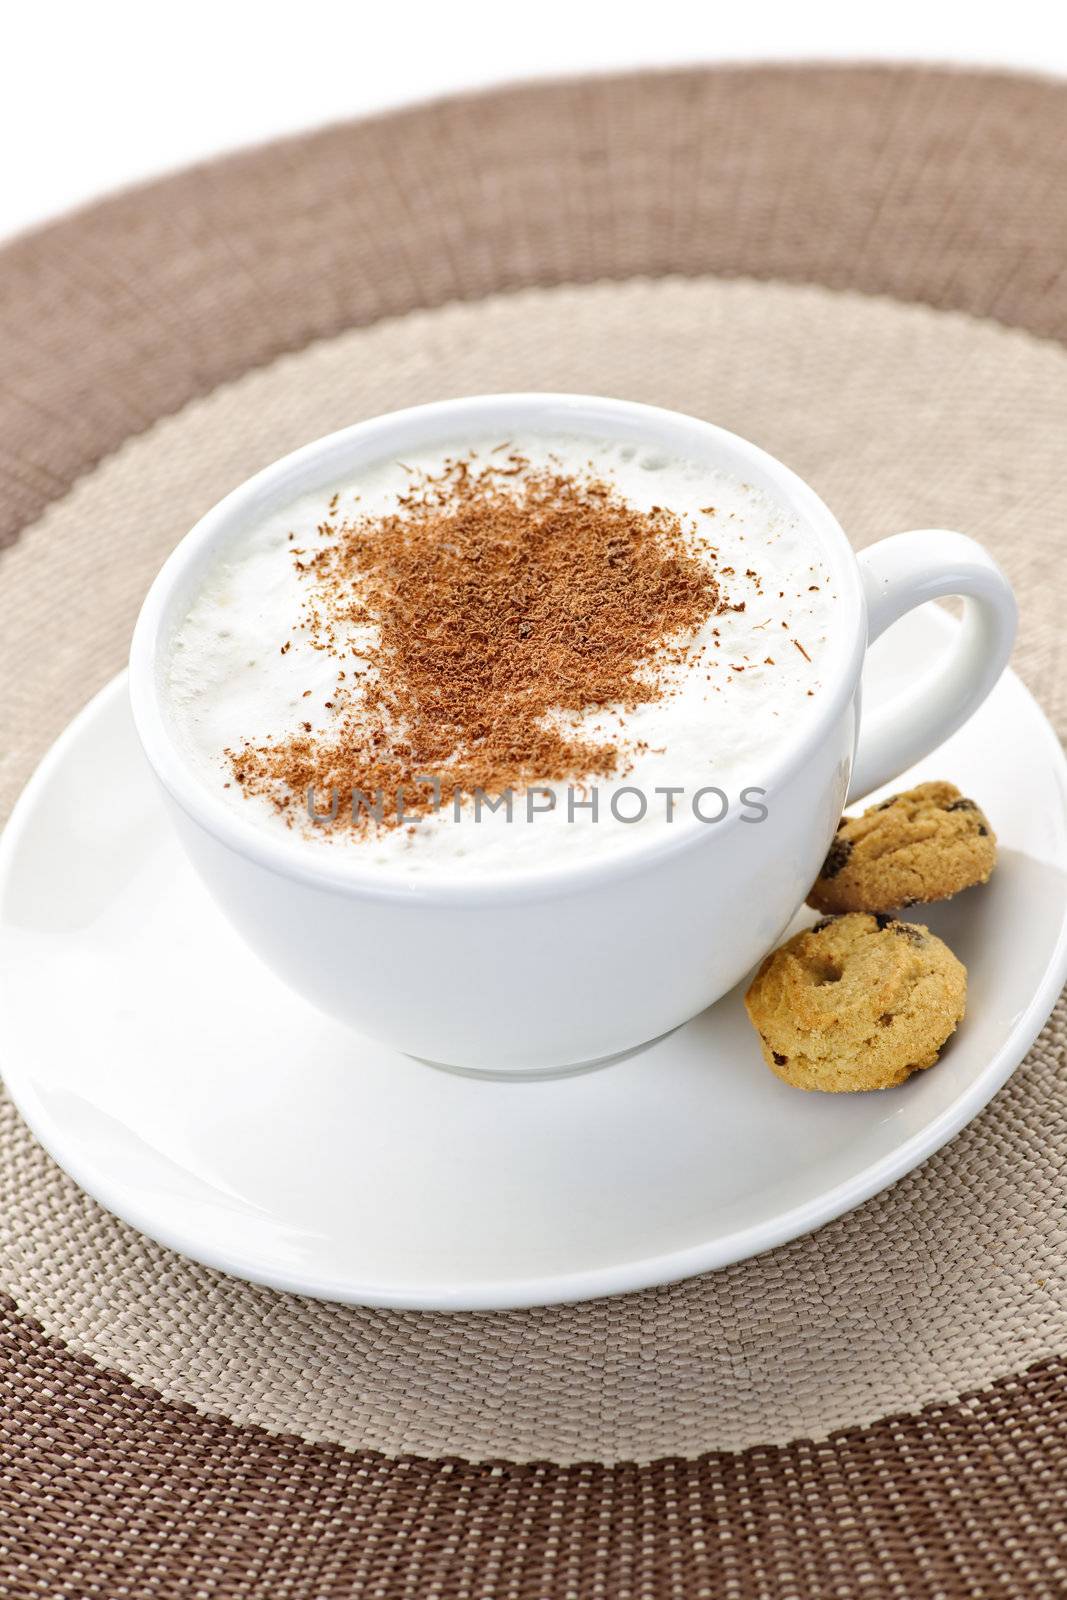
{"x":752,"y":679}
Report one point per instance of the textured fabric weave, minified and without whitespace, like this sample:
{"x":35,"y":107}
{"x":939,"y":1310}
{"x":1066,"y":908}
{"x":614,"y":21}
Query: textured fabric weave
{"x":877,"y":1409}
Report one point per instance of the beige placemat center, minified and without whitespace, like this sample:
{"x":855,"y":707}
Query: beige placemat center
{"x":900,"y":416}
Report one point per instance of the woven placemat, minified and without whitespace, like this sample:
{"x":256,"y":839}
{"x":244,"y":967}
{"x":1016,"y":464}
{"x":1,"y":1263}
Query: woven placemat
{"x":863,"y":270}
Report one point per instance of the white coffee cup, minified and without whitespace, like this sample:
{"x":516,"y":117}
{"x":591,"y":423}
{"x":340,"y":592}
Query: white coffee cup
{"x":582,"y":961}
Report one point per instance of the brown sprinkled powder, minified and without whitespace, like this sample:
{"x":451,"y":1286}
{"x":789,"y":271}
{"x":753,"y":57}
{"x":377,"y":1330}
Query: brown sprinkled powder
{"x":507,"y":600}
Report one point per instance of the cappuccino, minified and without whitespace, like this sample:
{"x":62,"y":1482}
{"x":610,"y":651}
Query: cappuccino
{"x":503,"y":656}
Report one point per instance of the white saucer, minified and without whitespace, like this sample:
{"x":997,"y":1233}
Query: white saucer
{"x":191,"y":1094}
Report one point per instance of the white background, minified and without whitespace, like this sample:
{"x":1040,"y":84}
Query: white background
{"x":99,"y":94}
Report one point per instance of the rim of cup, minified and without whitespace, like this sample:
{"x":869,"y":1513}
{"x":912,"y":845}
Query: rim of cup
{"x":448,"y":423}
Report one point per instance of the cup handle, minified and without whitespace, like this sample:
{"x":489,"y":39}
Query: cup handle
{"x":903,"y":572}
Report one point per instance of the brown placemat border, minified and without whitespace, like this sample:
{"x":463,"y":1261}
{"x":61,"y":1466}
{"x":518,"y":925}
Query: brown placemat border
{"x":149,"y":1498}
{"x":126,"y":310}
{"x":920,"y":184}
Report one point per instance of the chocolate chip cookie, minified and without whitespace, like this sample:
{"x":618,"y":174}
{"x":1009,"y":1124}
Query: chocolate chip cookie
{"x":925,"y":844}
{"x":857,"y":1002}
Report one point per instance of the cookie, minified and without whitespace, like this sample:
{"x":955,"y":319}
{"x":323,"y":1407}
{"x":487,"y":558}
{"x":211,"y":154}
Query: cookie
{"x":857,"y":1002}
{"x":925,"y":844}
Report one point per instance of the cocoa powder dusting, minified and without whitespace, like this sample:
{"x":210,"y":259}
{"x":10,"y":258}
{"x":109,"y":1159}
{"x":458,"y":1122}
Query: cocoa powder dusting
{"x":506,"y":601}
